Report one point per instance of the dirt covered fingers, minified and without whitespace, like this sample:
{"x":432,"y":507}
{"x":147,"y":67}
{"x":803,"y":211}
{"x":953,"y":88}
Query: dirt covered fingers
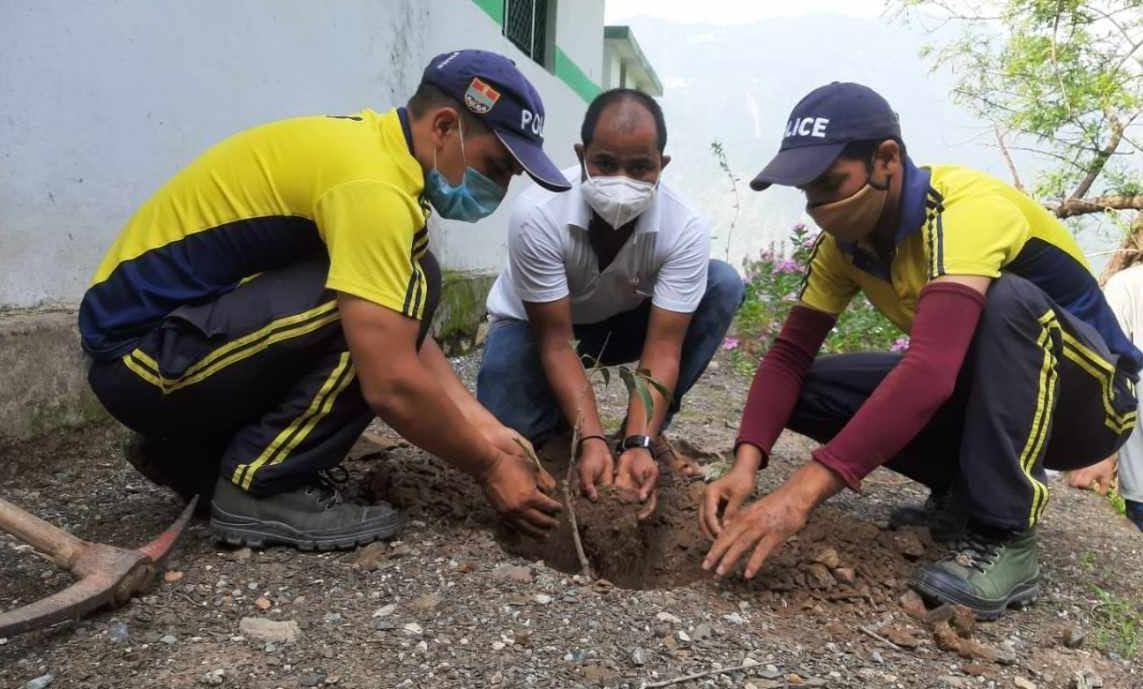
{"x":512,"y":485}
{"x":758,"y":529}
{"x":722,"y":499}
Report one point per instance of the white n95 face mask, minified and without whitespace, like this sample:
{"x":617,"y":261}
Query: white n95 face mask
{"x":618,"y":200}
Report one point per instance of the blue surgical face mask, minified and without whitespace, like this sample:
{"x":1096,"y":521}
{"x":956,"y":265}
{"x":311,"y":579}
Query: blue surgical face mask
{"x":476,"y":196}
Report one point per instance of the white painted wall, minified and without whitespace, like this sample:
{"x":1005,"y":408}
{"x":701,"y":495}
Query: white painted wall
{"x":101,"y":102}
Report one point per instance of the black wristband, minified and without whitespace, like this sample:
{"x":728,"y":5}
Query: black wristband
{"x":588,"y":437}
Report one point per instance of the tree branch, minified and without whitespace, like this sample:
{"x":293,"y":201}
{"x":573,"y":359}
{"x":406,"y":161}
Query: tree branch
{"x":1100,"y":159}
{"x":1008,"y":158}
{"x":1073,"y":207}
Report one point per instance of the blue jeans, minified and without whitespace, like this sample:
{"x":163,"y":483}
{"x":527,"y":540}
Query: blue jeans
{"x":512,"y":383}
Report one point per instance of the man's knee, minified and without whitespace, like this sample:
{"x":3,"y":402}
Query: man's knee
{"x":725,"y":284}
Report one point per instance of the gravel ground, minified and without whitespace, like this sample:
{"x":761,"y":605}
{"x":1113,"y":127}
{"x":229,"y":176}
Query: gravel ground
{"x":447,"y":607}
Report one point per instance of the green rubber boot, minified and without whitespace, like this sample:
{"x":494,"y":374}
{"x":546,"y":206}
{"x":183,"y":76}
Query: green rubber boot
{"x":986,"y":573}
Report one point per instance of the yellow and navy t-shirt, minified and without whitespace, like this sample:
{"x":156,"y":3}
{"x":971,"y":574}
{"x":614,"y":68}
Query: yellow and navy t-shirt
{"x":262,"y":199}
{"x":956,"y":221}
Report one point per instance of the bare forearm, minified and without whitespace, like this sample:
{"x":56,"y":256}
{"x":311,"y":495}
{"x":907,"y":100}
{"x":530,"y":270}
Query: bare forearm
{"x":438,"y":365}
{"x":419,"y":407}
{"x":664,"y":367}
{"x":571,"y":387}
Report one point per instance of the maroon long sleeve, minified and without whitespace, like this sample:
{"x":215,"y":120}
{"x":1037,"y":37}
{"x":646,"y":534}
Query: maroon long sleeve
{"x":905,"y":401}
{"x":778,"y":380}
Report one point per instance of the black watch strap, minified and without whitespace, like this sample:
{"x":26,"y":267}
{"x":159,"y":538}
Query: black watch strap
{"x":634,"y":441}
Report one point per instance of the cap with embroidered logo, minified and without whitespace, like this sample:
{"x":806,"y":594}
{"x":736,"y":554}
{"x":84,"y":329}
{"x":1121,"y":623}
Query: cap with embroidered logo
{"x":496,"y":93}
{"x":820,"y":126}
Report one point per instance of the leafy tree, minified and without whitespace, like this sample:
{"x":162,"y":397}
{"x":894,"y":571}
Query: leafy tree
{"x":1062,"y":79}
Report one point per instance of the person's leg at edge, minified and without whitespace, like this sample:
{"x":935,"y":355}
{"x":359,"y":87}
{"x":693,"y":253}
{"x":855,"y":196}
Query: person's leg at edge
{"x":1029,"y":406}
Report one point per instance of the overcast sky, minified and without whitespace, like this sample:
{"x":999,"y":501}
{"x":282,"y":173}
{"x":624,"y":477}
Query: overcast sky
{"x":735,"y":11}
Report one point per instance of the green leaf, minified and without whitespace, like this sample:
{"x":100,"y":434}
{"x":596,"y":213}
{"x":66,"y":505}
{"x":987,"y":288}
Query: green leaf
{"x":668,"y":396}
{"x":648,"y":401}
{"x":628,"y":379}
{"x":606,"y":373}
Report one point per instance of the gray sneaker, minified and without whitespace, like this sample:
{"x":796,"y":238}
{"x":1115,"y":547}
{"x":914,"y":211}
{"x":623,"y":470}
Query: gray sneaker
{"x":310,"y":518}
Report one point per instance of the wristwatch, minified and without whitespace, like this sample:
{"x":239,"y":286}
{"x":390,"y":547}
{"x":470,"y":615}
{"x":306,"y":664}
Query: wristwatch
{"x":634,"y":441}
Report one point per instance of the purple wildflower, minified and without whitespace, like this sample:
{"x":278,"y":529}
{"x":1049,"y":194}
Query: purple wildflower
{"x":730,"y":343}
{"x":900,"y":344}
{"x":787,"y":265}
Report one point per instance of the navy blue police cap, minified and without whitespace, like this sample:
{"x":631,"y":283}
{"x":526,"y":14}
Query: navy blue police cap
{"x":491,"y":87}
{"x":820,"y":127}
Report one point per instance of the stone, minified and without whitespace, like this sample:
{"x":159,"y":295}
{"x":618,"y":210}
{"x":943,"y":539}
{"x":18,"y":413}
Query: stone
{"x":1074,"y":636}
{"x":241,"y":555}
{"x":385,"y":610}
{"x":876,"y":655}
{"x":1022,"y":683}
{"x":668,"y":618}
{"x":769,"y":672}
{"x":912,"y":603}
{"x":703,"y":631}
{"x":639,"y":657}
{"x":543,"y":598}
{"x":513,"y":573}
{"x":213,"y":678}
{"x":313,"y":680}
{"x":819,"y":577}
{"x":40,"y":682}
{"x":169,"y":640}
{"x":263,"y":629}
{"x":118,"y":632}
{"x":370,"y":557}
{"x":413,"y":628}
{"x":427,"y":602}
{"x":734,"y":618}
{"x":1086,"y":679}
{"x":172,"y":575}
{"x":845,"y":575}
{"x":263,"y":603}
{"x":683,"y":636}
{"x":900,"y":637}
{"x":908,"y":544}
{"x":974,"y":669}
{"x":828,"y":557}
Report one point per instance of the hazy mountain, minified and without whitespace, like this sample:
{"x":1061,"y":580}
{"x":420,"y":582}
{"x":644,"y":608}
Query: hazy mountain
{"x":737,"y":84}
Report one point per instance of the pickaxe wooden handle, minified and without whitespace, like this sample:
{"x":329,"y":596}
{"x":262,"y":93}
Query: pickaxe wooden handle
{"x":107,"y":575}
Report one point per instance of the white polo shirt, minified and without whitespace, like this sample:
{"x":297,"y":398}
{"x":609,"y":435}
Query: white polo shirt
{"x":550,"y":257}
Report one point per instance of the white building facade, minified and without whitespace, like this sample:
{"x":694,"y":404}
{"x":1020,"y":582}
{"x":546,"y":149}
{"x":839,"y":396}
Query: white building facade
{"x":100,"y":103}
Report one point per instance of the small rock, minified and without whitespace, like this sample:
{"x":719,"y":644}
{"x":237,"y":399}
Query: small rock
{"x":795,"y":678}
{"x":213,"y":678}
{"x":877,"y":657}
{"x":1074,"y":636}
{"x":703,"y":631}
{"x":370,"y":557}
{"x":749,"y":662}
{"x":543,"y":598}
{"x":638,"y":657}
{"x":683,"y":636}
{"x":40,"y":682}
{"x":498,"y":645}
{"x":169,"y":640}
{"x":413,"y":628}
{"x":828,"y":557}
{"x":661,"y":630}
{"x":332,"y":618}
{"x":385,"y":610}
{"x":954,"y":682}
{"x":263,"y":629}
{"x":734,"y":618}
{"x":1086,"y":679}
{"x":900,"y":637}
{"x":241,"y":555}
{"x":912,"y":603}
{"x":1023,"y":683}
{"x":172,"y":575}
{"x":819,"y":576}
{"x":423,"y":646}
{"x":427,"y":602}
{"x":845,"y":575}
{"x":974,"y":669}
{"x":908,"y":544}
{"x":514,"y":573}
{"x":313,"y":680}
{"x":769,"y":672}
{"x":668,"y":618}
{"x":263,"y":603}
{"x":118,"y":632}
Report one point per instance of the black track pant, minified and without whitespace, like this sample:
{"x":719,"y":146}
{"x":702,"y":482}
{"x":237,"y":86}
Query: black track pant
{"x":1038,"y":389}
{"x":257,"y":384}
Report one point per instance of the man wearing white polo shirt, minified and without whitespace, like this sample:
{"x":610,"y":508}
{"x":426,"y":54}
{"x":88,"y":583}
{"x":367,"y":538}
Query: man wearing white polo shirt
{"x":617,"y":269}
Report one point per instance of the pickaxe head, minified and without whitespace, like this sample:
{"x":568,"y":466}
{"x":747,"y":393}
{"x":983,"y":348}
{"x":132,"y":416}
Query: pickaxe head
{"x":108,"y":576}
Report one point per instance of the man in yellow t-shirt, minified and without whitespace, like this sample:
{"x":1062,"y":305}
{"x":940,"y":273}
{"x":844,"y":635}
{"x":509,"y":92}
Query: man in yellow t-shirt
{"x":1016,"y":361}
{"x":269,"y":300}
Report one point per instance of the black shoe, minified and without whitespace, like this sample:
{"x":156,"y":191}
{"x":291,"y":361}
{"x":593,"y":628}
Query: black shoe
{"x":313,"y":517}
{"x":985,"y":572}
{"x":943,"y":514}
